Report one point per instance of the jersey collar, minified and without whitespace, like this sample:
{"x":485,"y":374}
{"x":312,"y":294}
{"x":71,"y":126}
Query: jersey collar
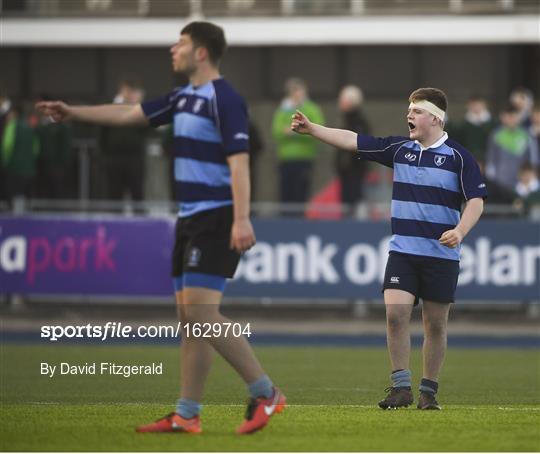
{"x":437,"y":144}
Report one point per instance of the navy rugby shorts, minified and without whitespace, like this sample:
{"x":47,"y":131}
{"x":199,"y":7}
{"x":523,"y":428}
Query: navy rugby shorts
{"x":429,"y":278}
{"x":202,"y":247}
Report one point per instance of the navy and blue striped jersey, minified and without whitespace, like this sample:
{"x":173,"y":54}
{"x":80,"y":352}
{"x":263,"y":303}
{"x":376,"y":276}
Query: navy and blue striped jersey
{"x":430,"y":186}
{"x":210,"y":123}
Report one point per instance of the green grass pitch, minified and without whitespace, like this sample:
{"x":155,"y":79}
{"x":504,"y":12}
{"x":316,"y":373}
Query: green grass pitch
{"x":490,"y":398}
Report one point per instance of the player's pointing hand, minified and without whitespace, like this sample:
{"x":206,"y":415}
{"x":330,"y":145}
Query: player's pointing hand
{"x":56,"y":110}
{"x":300,"y":123}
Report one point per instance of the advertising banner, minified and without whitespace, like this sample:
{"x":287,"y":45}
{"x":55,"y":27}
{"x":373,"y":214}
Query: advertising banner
{"x":346,"y":259}
{"x":500,"y":260}
{"x":94,"y":256}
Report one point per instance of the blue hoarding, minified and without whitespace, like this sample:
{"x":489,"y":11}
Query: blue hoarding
{"x":500,"y":260}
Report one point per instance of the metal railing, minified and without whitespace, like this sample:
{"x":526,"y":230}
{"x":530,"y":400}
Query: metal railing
{"x":87,"y":150}
{"x":259,"y":8}
{"x":160,"y":208}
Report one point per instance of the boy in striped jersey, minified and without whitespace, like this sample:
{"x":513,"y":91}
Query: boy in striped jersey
{"x":433,"y":177}
{"x":211,"y":173}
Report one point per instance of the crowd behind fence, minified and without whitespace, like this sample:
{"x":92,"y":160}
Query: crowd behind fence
{"x":46,"y":165}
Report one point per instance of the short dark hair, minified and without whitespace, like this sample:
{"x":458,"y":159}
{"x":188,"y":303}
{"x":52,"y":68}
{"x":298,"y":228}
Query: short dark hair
{"x":527,"y":166}
{"x":433,"y":95}
{"x":509,"y":109}
{"x":209,"y":36}
{"x":522,"y":91}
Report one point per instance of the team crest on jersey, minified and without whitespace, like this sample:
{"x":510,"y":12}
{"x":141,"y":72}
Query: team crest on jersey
{"x":198,"y":105}
{"x":194,"y":257}
{"x":181,"y":103}
{"x":410,"y":157}
{"x":439,"y":160}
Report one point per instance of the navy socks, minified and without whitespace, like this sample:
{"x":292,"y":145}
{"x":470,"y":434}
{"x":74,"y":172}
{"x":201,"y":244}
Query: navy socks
{"x":428,"y":386}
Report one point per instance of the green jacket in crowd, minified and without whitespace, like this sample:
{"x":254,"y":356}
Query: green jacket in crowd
{"x":295,"y":147}
{"x":474,"y":137}
{"x":508,"y":149}
{"x":55,"y":144}
{"x":19,"y":149}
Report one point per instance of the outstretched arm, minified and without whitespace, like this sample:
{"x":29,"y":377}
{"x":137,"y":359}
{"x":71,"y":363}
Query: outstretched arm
{"x":105,"y":114}
{"x":339,"y":138}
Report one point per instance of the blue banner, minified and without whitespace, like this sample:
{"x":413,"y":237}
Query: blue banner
{"x":346,"y":259}
{"x":500,"y":260}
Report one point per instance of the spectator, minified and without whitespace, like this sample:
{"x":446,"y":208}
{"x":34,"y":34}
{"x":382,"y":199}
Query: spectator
{"x":349,"y":168}
{"x":523,"y":99}
{"x":535,"y":125}
{"x":510,"y":146}
{"x":55,"y":157}
{"x":19,"y":149}
{"x":296,"y":153}
{"x":528,"y":182}
{"x":124,"y":149}
{"x":473,"y":132}
{"x":528,"y":187}
{"x":5,"y":107}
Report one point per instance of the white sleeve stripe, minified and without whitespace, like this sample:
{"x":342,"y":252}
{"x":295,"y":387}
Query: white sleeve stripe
{"x":461,"y":174}
{"x":401,"y":146}
{"x":384,"y":149}
{"x":215,"y":106}
{"x":159,"y":112}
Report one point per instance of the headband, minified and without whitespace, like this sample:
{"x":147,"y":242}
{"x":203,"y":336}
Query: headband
{"x":430,"y":107}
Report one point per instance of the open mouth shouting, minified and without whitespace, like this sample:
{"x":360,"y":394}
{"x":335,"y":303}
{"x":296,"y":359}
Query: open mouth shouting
{"x":412,"y":126}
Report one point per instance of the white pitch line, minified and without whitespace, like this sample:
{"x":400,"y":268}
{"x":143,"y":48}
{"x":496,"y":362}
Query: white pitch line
{"x":518,"y":409}
{"x":451,"y":407}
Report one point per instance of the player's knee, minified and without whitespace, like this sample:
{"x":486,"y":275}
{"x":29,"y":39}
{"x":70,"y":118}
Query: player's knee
{"x":396,"y":321}
{"x":180,"y":312}
{"x":198,"y":313}
{"x":190,"y":314}
{"x":435,"y":328}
